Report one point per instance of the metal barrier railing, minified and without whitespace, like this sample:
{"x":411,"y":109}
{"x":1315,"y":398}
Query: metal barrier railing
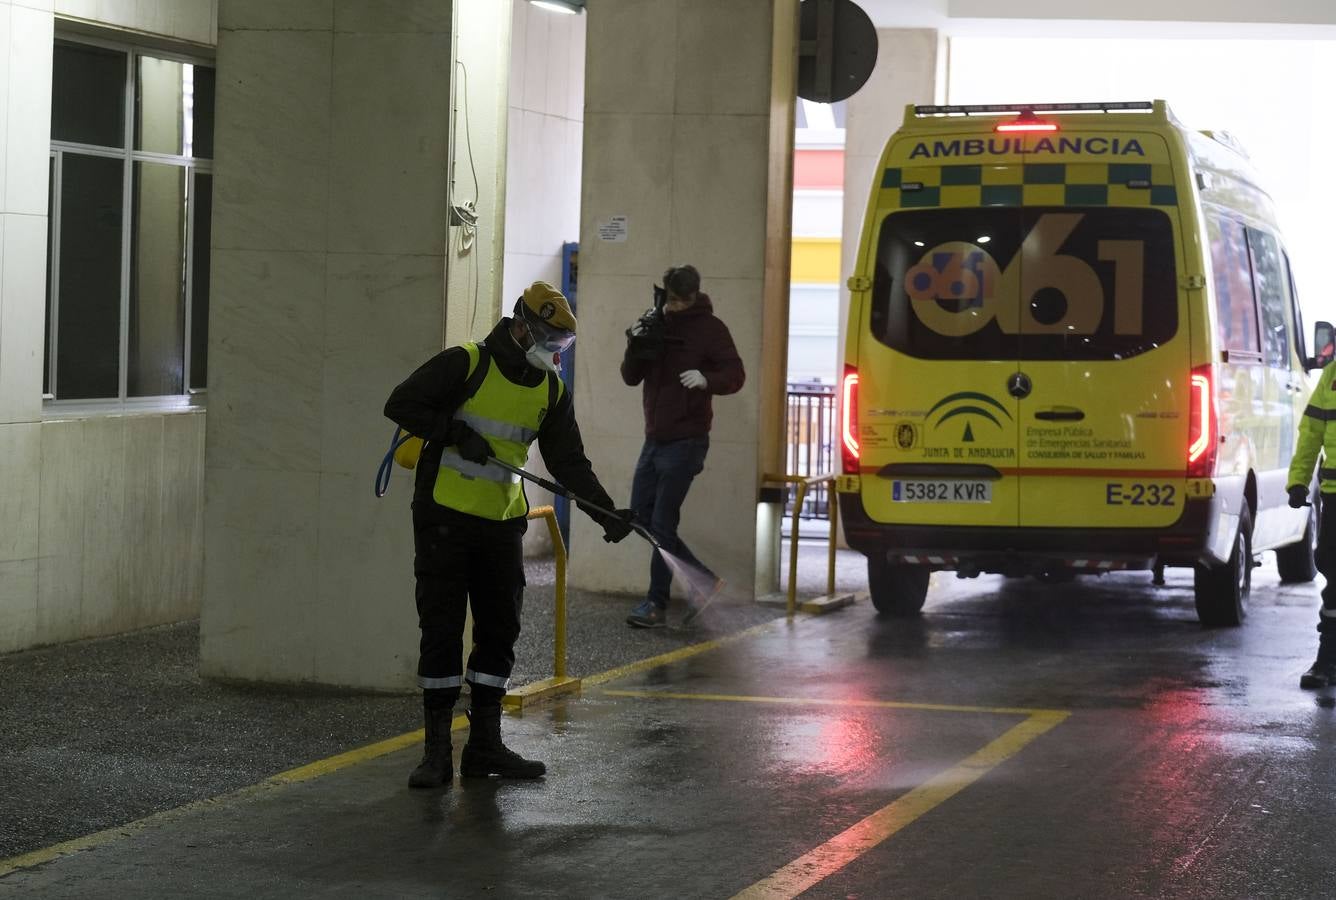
{"x":559,"y":683}
{"x":803,"y":483}
{"x":809,"y":423}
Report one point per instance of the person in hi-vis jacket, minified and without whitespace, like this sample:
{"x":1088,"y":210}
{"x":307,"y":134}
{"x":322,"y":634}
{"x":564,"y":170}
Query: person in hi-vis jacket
{"x":1317,"y":434}
{"x":471,"y":403}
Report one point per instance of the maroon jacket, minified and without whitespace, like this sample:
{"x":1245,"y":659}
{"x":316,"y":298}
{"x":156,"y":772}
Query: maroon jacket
{"x":673,"y":412}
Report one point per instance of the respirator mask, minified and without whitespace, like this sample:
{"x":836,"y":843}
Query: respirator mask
{"x":548,"y":342}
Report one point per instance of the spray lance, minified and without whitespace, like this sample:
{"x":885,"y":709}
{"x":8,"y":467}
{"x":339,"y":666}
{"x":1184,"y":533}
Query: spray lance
{"x":406,"y":453}
{"x":562,"y":492}
{"x":404,"y":450}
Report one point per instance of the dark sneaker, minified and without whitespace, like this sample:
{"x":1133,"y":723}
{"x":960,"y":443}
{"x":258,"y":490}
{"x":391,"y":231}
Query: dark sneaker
{"x":697,"y":605}
{"x":1319,"y":675}
{"x":647,"y":615}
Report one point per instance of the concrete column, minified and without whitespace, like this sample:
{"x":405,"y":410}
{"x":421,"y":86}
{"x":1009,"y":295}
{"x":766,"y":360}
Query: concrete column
{"x":25,"y":141}
{"x":329,"y":261}
{"x":906,"y":72}
{"x":688,"y":134}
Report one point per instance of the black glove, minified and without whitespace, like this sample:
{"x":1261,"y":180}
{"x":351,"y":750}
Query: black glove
{"x":470,"y":445}
{"x":616,"y":528}
{"x":1298,"y":496}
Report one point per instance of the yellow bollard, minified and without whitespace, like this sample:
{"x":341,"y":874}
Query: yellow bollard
{"x":559,"y":683}
{"x":830,"y":600}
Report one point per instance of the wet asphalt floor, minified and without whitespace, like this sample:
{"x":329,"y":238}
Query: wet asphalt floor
{"x":102,"y":732}
{"x":1169,"y":761}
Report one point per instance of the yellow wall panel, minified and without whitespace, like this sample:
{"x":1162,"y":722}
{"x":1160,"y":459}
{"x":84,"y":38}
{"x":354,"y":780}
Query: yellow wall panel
{"x":816,"y":261}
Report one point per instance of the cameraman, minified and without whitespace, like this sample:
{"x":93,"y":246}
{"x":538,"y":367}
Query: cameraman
{"x":683,"y":355}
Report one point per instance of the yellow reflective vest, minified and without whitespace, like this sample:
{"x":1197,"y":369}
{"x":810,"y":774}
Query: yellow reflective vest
{"x":1317,"y":434}
{"x":508,"y":416}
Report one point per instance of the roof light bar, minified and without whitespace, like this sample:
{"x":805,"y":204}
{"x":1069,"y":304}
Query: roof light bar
{"x":996,"y":108}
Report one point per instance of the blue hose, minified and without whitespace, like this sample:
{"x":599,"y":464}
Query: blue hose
{"x":387,"y":464}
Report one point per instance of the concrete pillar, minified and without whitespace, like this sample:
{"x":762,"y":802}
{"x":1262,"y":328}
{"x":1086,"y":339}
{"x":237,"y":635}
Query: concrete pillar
{"x":25,"y":141}
{"x":329,"y":266}
{"x":689,"y":135}
{"x":906,"y":72}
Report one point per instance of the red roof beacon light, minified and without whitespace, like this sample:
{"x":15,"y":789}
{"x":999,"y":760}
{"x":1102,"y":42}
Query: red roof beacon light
{"x":1026,"y":121}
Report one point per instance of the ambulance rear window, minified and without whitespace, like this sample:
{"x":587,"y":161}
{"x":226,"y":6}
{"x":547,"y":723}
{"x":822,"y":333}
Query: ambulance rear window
{"x":1055,"y":283}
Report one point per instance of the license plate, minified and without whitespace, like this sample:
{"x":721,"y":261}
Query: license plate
{"x":920,"y":491}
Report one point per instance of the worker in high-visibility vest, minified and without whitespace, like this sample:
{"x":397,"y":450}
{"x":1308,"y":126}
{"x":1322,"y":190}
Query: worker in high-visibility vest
{"x":470,"y":403}
{"x":1317,"y":438}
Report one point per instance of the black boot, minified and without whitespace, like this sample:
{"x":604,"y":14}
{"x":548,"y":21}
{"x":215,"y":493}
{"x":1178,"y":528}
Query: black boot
{"x":437,"y":767}
{"x":484,"y":754}
{"x":1322,"y":673}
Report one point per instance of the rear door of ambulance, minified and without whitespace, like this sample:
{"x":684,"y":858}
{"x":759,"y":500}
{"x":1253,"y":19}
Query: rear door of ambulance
{"x":1103,"y":382}
{"x":938,"y":429}
{"x":1023,"y":358}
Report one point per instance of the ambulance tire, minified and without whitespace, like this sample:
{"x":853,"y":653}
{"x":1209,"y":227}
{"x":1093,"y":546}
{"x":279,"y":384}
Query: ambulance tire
{"x":1297,"y":563}
{"x":1222,"y":592}
{"x":897,"y":590}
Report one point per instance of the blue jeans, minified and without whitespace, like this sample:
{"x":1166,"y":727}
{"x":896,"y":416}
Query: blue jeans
{"x":663,"y":476}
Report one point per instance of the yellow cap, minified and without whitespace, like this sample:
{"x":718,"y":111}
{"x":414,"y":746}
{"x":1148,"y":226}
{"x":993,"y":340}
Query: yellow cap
{"x":547,"y":304}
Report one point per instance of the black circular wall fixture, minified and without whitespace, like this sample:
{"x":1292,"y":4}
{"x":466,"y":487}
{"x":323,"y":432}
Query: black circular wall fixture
{"x":837,"y":50}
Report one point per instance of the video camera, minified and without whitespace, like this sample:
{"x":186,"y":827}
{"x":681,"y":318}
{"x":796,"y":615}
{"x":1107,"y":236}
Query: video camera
{"x":648,"y":338}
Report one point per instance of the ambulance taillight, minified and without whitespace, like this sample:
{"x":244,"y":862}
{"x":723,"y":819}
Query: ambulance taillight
{"x":1203,"y":424}
{"x":849,"y":449}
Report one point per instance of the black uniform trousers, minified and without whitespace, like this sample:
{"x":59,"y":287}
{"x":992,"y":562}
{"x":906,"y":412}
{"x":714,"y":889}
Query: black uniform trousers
{"x":1325,"y":557}
{"x":462,"y":559}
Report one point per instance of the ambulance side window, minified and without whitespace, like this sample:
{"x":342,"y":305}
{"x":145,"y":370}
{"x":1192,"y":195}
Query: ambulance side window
{"x":1272,"y":294}
{"x":1300,"y":334}
{"x":1235,"y":304}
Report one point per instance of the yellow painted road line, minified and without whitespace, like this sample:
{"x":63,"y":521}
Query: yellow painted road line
{"x":334,"y":763}
{"x":291,"y":776}
{"x":836,"y":853}
{"x":823,"y":701}
{"x":681,"y":653}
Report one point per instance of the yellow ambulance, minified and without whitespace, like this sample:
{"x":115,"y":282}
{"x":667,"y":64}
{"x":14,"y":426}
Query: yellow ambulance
{"x":1074,"y":346}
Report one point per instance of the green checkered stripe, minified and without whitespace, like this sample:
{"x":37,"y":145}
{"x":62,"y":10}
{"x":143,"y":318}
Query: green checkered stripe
{"x":1034,"y":184}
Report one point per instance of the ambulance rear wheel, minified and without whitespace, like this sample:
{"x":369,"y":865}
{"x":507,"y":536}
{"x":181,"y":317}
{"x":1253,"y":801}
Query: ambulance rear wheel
{"x":897,"y":590}
{"x":1222,"y":592}
{"x":1297,"y":563}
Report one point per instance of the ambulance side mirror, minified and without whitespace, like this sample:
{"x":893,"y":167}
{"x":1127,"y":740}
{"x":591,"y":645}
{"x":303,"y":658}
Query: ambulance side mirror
{"x":1324,"y":345}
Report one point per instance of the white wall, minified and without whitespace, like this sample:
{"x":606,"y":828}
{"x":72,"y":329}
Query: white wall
{"x":543,"y":157}
{"x":814,"y":332}
{"x":480,"y":121}
{"x":100,"y":516}
{"x":1293,"y":12}
{"x":543,"y":154}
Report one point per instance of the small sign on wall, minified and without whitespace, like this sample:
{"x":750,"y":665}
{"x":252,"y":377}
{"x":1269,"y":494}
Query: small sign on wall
{"x":614,"y":229}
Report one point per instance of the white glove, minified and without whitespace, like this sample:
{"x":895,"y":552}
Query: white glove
{"x":692,"y":379}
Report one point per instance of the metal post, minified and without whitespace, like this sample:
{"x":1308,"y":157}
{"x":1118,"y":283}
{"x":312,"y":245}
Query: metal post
{"x":832,"y":506}
{"x":793,"y":550}
{"x":549,"y":515}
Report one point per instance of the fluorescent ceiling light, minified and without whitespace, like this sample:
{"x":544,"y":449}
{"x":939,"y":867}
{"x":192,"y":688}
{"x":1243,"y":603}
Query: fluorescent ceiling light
{"x":566,"y":7}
